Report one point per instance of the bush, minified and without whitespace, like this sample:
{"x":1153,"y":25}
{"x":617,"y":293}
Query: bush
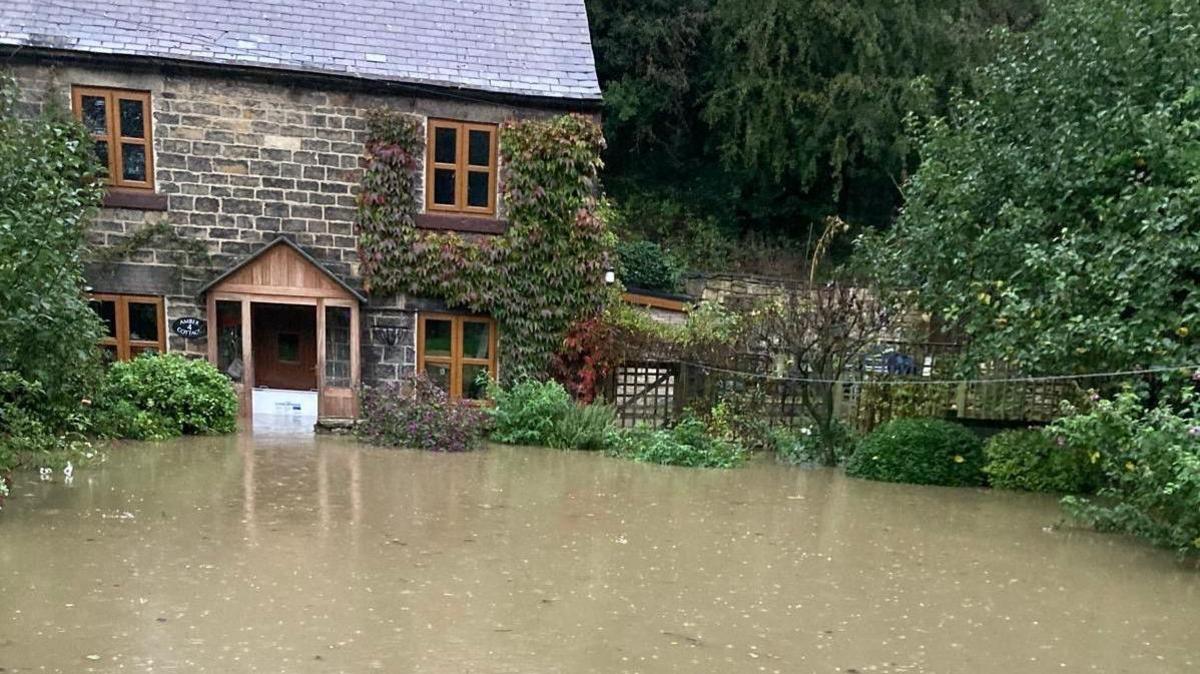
{"x":418,"y":414}
{"x":586,"y":427}
{"x":532,"y":412}
{"x":1151,"y":464}
{"x":920,"y":451}
{"x":644,"y":264}
{"x":155,"y":397}
{"x":687,"y":444}
{"x":529,"y":412}
{"x":1031,"y":460}
{"x":806,"y":446}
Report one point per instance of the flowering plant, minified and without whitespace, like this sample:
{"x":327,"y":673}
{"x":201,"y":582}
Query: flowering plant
{"x":418,"y":414}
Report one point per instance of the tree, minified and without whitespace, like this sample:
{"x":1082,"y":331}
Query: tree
{"x":809,"y":96}
{"x":1053,"y":220}
{"x":48,"y":333}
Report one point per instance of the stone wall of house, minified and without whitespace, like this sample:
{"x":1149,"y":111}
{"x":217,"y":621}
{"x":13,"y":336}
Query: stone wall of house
{"x":242,"y":161}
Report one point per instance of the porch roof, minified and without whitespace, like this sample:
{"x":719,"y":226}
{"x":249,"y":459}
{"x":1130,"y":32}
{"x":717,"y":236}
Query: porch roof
{"x":230,"y":273}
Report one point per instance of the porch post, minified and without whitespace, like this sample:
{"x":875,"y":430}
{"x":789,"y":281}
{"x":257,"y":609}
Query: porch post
{"x":213,"y":329}
{"x":247,"y":363}
{"x":320,"y":357}
{"x":355,"y":358}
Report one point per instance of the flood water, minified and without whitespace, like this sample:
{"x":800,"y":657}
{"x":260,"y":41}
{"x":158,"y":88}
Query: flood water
{"x":320,"y":555}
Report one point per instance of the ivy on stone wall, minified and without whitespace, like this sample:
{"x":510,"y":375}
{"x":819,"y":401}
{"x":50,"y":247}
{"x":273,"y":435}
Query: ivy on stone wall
{"x":543,"y":274}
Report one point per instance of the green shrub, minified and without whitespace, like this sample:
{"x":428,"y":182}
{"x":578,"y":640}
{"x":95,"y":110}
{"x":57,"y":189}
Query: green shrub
{"x":1151,"y":464}
{"x":687,"y":444}
{"x":586,"y":427}
{"x":920,"y":451}
{"x":1031,"y":460}
{"x":644,"y":264}
{"x":533,"y":412}
{"x":528,"y":412}
{"x":806,"y":446}
{"x":156,"y":397}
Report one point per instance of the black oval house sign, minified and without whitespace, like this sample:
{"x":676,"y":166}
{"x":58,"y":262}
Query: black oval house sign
{"x":189,"y":327}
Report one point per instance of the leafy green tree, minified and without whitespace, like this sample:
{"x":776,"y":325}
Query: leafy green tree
{"x":1054,"y":217}
{"x":809,"y":96}
{"x":48,"y":193}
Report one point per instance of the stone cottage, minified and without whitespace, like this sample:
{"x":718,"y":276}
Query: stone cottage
{"x":233,"y":136}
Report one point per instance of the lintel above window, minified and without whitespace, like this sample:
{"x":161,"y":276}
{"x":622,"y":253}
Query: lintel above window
{"x":119,"y":123}
{"x":461,"y":168}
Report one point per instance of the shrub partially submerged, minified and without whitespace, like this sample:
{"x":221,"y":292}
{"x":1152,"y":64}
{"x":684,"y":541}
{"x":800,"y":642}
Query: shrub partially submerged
{"x":1031,"y":460}
{"x":689,"y":443}
{"x":1151,"y":464}
{"x":920,"y":451}
{"x":155,"y":397}
{"x":418,"y":414}
{"x":532,"y":412}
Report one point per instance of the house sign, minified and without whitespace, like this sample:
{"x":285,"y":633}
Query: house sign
{"x":189,"y":327}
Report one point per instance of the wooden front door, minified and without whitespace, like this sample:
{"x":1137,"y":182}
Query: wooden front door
{"x":298,"y":329}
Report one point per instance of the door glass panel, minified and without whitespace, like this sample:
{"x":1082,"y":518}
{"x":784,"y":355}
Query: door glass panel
{"x":445,"y":146}
{"x":94,"y":114}
{"x":132,"y":119}
{"x":229,"y":339}
{"x":133,"y":162}
{"x":477,"y":189}
{"x":476,"y":341}
{"x":107,"y":311}
{"x":473,"y":384}
{"x":443,"y":186}
{"x":289,"y":347}
{"x":143,"y":321}
{"x":439,"y":373}
{"x":479,"y":149}
{"x":102,"y":156}
{"x":437,"y":338}
{"x":337,"y":346}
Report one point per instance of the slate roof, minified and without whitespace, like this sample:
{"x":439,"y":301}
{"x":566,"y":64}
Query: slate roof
{"x":520,"y":47}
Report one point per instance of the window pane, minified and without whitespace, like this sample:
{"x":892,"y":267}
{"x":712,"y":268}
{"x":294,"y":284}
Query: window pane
{"x":437,"y":338}
{"x":133,"y":162}
{"x":289,"y":347}
{"x":337,"y":346}
{"x":132,"y":119}
{"x":108,"y":353}
{"x":473,"y":388}
{"x":102,"y":156}
{"x":107,"y":311}
{"x":479,"y":148}
{"x":445,"y":146}
{"x":94,"y":115}
{"x":477,"y":189}
{"x":143,"y":321}
{"x":443,"y":187}
{"x":229,"y":339}
{"x":439,"y":373}
{"x":135,"y":351}
{"x":475,"y":340}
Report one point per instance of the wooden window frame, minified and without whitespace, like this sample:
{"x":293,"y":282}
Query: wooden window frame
{"x":456,"y":360}
{"x":122,"y":341}
{"x":461,"y":168}
{"x":116,"y":142}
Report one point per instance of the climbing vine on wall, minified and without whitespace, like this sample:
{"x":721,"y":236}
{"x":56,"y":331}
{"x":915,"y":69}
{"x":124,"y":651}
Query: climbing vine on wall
{"x":544,"y":273}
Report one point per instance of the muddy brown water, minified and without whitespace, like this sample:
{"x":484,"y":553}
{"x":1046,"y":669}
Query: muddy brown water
{"x":319,"y":555}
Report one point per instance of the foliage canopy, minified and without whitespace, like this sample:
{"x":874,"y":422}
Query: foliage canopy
{"x":1053,"y":218}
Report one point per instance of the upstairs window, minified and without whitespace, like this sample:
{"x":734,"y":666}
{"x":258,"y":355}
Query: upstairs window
{"x":461,"y":173}
{"x":119,"y":121}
